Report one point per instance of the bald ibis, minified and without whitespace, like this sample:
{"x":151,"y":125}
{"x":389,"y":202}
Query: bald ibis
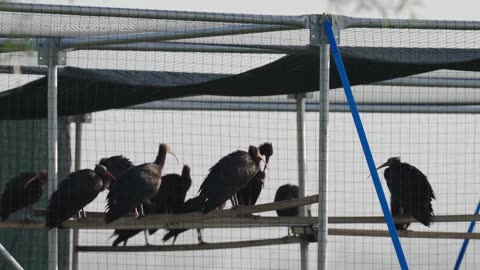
{"x":287,"y":192}
{"x":22,"y":191}
{"x":168,"y":200}
{"x":250,"y":193}
{"x":410,"y":192}
{"x":75,"y":192}
{"x":136,"y":186}
{"x":228,"y":176}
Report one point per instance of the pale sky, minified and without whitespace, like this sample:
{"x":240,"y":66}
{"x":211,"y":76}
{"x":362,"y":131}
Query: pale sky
{"x":430,"y":9}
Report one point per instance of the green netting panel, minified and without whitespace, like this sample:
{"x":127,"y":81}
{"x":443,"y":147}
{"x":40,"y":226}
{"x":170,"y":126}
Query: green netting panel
{"x":23,"y":147}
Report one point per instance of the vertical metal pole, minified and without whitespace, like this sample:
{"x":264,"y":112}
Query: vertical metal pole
{"x":9,"y":258}
{"x":301,"y":155}
{"x":52,"y":147}
{"x":323,"y":155}
{"x":78,"y":161}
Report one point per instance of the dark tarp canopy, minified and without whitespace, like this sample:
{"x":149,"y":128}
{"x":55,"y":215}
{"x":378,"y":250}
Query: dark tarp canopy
{"x":89,"y":90}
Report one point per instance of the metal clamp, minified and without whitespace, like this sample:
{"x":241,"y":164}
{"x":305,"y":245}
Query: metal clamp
{"x":44,"y":46}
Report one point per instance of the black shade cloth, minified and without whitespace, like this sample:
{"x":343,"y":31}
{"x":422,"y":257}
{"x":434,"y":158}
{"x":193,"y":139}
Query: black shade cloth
{"x":89,"y":90}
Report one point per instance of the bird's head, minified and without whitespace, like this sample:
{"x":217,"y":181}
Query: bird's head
{"x":165,"y":148}
{"x":186,"y":171}
{"x":41,"y":175}
{"x":266,"y":150}
{"x":390,"y":162}
{"x":254,"y":154}
{"x":104,"y":173}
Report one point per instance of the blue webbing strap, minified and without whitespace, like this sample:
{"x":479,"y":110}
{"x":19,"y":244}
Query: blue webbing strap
{"x":366,"y":148}
{"x":465,"y":242}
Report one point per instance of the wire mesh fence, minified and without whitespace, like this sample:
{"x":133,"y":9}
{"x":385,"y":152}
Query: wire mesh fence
{"x":202,"y":128}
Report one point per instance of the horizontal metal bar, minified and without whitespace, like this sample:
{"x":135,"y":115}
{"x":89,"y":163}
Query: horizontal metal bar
{"x":298,"y":21}
{"x":78,"y":43}
{"x":311,"y":106}
{"x":407,"y":234}
{"x":202,"y":47}
{"x":203,"y":246}
{"x":352,"y":22}
{"x":445,"y":82}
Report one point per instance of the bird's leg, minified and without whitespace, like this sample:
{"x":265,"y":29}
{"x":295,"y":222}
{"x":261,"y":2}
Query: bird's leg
{"x":84,"y":214}
{"x":142,"y":213}
{"x":26,"y":216}
{"x":79,"y":215}
{"x":146,"y":238}
{"x":136,"y":212}
{"x":199,"y":237}
{"x":232,"y":200}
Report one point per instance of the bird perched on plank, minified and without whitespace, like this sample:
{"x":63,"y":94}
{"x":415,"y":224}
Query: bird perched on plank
{"x":228,"y":176}
{"x":287,"y":192}
{"x":117,"y":166}
{"x":136,"y":186}
{"x":250,"y":193}
{"x":192,"y":205}
{"x":75,"y":192}
{"x":169,"y":199}
{"x":411,"y":193}
{"x":22,"y":191}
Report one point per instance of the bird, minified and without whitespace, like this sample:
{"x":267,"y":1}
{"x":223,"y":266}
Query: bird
{"x":75,"y":192}
{"x":410,"y":192}
{"x":136,"y":186}
{"x":229,"y":175}
{"x":116,"y":165}
{"x":192,"y":205}
{"x":287,"y":192}
{"x":22,"y":191}
{"x":250,"y":193}
{"x":169,"y":199}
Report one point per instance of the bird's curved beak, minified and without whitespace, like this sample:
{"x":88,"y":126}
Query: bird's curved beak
{"x":383,"y":165}
{"x":175,"y":156}
{"x":30,"y":181}
{"x":111,"y":176}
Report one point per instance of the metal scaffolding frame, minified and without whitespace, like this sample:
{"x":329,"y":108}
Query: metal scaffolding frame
{"x":247,"y":23}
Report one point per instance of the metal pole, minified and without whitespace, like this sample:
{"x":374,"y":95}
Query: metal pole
{"x":323,"y":156}
{"x":9,"y":258}
{"x":152,"y":14}
{"x":301,"y":155}
{"x":79,"y":43}
{"x":78,"y":161}
{"x":52,"y":147}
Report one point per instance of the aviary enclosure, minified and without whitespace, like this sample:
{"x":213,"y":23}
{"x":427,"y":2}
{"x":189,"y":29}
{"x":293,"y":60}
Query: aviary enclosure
{"x":83,"y":83}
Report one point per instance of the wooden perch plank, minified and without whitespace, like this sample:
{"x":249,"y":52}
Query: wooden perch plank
{"x":408,"y":234}
{"x":148,"y":223}
{"x":206,"y":246}
{"x":400,"y":220}
{"x":241,"y":210}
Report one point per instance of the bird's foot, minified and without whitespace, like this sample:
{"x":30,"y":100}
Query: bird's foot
{"x":201,"y":242}
{"x":27,"y":220}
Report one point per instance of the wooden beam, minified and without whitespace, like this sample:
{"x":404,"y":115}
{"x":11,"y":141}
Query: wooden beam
{"x":206,"y":246}
{"x":206,"y":221}
{"x":238,"y":211}
{"x":408,"y":234}
{"x":400,"y":220}
{"x":149,"y":222}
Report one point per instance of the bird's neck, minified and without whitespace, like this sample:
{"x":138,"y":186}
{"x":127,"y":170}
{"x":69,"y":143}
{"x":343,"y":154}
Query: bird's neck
{"x":160,"y":160}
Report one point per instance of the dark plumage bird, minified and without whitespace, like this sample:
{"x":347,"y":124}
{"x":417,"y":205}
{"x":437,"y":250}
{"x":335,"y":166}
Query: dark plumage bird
{"x":411,"y":193}
{"x":169,"y":199}
{"x":21,"y":192}
{"x":117,"y":166}
{"x":136,"y":186}
{"x":191,"y":206}
{"x":250,"y":193}
{"x":228,"y":176}
{"x":287,"y":192}
{"x":75,"y":192}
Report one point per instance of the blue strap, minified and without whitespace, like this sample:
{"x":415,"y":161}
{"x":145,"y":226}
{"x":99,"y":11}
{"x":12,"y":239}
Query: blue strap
{"x":465,"y":242}
{"x":366,"y":148}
